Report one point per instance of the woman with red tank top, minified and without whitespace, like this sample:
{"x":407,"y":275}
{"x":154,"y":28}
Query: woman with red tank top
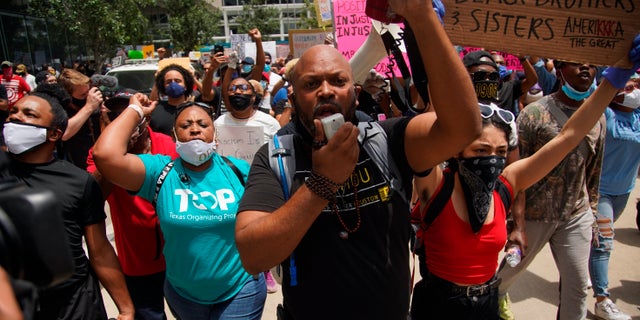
{"x":463,"y":242}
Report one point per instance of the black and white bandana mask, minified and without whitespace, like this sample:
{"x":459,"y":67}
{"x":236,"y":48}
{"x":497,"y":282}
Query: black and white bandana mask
{"x":478,"y":176}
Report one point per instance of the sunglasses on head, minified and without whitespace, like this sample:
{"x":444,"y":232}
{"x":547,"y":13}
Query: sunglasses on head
{"x":488,"y":110}
{"x":242,"y":87}
{"x":188,"y":104}
{"x":485,"y":75}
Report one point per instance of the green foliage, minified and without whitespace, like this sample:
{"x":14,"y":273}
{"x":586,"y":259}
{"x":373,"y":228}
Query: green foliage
{"x":100,"y":24}
{"x":255,"y":14}
{"x":309,"y":17}
{"x":193,"y":22}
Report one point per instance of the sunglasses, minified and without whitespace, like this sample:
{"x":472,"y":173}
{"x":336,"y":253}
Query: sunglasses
{"x":488,"y":110}
{"x":485,"y":75}
{"x":242,"y":87}
{"x":188,"y":104}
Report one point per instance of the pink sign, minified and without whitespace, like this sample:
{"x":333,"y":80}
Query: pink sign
{"x":352,"y":28}
{"x":511,"y":62}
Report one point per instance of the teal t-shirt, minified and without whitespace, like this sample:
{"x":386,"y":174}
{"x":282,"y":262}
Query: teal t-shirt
{"x":197,"y":213}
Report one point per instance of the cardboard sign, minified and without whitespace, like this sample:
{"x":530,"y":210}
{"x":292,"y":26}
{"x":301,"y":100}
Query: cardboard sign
{"x":301,"y":40}
{"x":241,"y":142}
{"x":589,"y":31}
{"x":183,"y":62}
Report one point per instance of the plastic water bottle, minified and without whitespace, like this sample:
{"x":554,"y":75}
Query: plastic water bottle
{"x":514,"y":255}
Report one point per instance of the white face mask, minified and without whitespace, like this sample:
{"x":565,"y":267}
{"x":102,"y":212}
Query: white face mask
{"x":20,"y":137}
{"x":631,"y":100}
{"x":195,"y":152}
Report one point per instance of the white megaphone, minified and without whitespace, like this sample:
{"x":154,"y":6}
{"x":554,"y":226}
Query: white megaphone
{"x":372,"y":50}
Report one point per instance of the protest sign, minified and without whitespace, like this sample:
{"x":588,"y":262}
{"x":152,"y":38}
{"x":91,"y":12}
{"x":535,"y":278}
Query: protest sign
{"x":267,"y":46}
{"x":148,"y":51}
{"x":589,"y":31}
{"x":323,"y":11}
{"x":241,"y":142}
{"x":183,"y":62}
{"x":301,"y":40}
{"x":353,"y":28}
{"x":512,"y":62}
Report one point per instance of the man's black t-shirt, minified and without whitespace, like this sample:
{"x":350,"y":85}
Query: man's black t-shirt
{"x":508,"y":95}
{"x":365,"y":276}
{"x":82,"y":205}
{"x":163,"y":117}
{"x":76,"y":149}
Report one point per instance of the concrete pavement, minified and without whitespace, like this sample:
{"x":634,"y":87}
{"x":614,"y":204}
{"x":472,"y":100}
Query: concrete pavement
{"x":535,"y":295}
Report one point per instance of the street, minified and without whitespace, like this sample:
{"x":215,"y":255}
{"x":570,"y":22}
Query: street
{"x":535,"y":295}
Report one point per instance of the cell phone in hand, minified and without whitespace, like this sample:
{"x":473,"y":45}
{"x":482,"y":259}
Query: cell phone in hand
{"x":331,"y":124}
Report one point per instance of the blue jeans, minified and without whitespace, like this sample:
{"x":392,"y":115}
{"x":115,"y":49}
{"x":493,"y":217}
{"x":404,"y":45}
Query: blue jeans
{"x":609,"y":210}
{"x":146,"y":294}
{"x":247,"y":304}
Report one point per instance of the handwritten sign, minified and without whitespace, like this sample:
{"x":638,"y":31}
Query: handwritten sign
{"x":237,"y":43}
{"x":323,"y":11}
{"x":353,"y":27}
{"x":596,"y":32}
{"x":267,"y":46}
{"x":301,"y":40}
{"x":241,"y":142}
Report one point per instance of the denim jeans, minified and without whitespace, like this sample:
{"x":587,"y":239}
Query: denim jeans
{"x":609,"y":210}
{"x":146,"y":294}
{"x":247,"y":304}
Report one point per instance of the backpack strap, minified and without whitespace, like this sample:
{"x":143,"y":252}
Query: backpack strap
{"x":373,"y":139}
{"x":439,"y":199}
{"x":505,"y":193}
{"x":562,"y":119}
{"x":234,"y":168}
{"x":282,"y":163}
{"x":159,"y":182}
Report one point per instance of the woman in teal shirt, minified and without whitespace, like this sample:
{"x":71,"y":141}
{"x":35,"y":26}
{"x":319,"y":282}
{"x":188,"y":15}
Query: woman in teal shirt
{"x":196,"y":205}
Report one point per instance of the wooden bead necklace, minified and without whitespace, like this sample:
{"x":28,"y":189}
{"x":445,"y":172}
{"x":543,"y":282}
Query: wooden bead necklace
{"x":344,"y":234}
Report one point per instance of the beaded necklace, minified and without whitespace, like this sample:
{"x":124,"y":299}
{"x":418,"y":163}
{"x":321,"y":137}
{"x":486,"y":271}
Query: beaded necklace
{"x":344,"y":234}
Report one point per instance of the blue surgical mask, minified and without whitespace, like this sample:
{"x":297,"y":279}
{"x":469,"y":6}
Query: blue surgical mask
{"x":574,"y":94}
{"x":174,"y":90}
{"x":246,"y":68}
{"x":267,"y":68}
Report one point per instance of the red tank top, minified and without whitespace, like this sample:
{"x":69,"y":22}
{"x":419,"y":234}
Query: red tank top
{"x":456,"y":254}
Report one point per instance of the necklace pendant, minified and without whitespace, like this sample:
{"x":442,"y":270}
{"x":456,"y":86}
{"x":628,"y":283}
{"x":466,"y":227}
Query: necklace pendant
{"x":343,"y":235}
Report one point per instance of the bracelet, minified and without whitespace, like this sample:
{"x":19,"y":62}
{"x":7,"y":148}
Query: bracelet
{"x":138,"y":109}
{"x":322,"y":186}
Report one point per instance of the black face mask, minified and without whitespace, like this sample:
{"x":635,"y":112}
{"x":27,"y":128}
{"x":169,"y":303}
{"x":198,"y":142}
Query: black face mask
{"x":240,"y":102}
{"x":478,"y":176}
{"x":78,"y":102}
{"x":486,"y":90}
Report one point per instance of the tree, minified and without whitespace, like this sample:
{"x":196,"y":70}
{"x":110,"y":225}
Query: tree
{"x":308,"y":17}
{"x":101,"y":25}
{"x":256,"y":14}
{"x":193,"y":22}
